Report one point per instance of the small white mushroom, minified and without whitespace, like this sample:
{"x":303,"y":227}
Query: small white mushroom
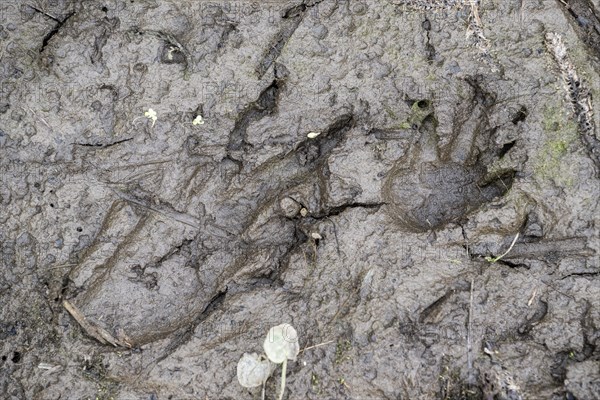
{"x":281,"y":343}
{"x":198,"y":120}
{"x":253,"y":370}
{"x":151,"y":114}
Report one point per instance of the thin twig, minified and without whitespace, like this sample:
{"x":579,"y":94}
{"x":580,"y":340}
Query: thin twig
{"x":469,"y":337}
{"x":41,"y":119}
{"x":494,"y":259}
{"x":44,"y":13}
{"x":530,"y":302}
{"x":317,"y":345}
{"x":95,"y":331}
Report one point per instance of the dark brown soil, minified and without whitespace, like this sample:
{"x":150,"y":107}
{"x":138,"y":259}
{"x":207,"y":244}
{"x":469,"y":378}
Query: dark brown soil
{"x":141,"y":258}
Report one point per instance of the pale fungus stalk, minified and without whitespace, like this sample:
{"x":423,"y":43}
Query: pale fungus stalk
{"x":280,"y":345}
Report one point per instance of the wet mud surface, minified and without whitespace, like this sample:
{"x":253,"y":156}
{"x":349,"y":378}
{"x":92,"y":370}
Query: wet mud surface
{"x":413,"y":185}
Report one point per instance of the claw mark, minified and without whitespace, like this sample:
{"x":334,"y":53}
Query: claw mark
{"x":432,"y":310}
{"x":160,"y":209}
{"x":293,"y":16}
{"x":172,"y":41}
{"x":263,"y":106}
{"x":108,"y":25}
{"x":539,"y":314}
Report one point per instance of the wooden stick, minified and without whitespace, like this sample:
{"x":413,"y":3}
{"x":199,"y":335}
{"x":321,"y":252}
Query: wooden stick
{"x":95,"y":331}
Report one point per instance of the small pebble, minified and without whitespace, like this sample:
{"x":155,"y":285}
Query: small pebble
{"x":289,"y":207}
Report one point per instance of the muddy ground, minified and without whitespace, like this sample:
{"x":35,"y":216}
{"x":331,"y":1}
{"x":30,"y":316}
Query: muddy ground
{"x":142,"y":257}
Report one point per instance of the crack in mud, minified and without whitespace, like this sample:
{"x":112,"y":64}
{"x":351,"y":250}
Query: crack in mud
{"x":54,"y":30}
{"x":103,"y":145}
{"x":333,"y":211}
{"x":582,"y":274}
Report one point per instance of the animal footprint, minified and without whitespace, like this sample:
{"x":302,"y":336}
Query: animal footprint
{"x":435,"y":185}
